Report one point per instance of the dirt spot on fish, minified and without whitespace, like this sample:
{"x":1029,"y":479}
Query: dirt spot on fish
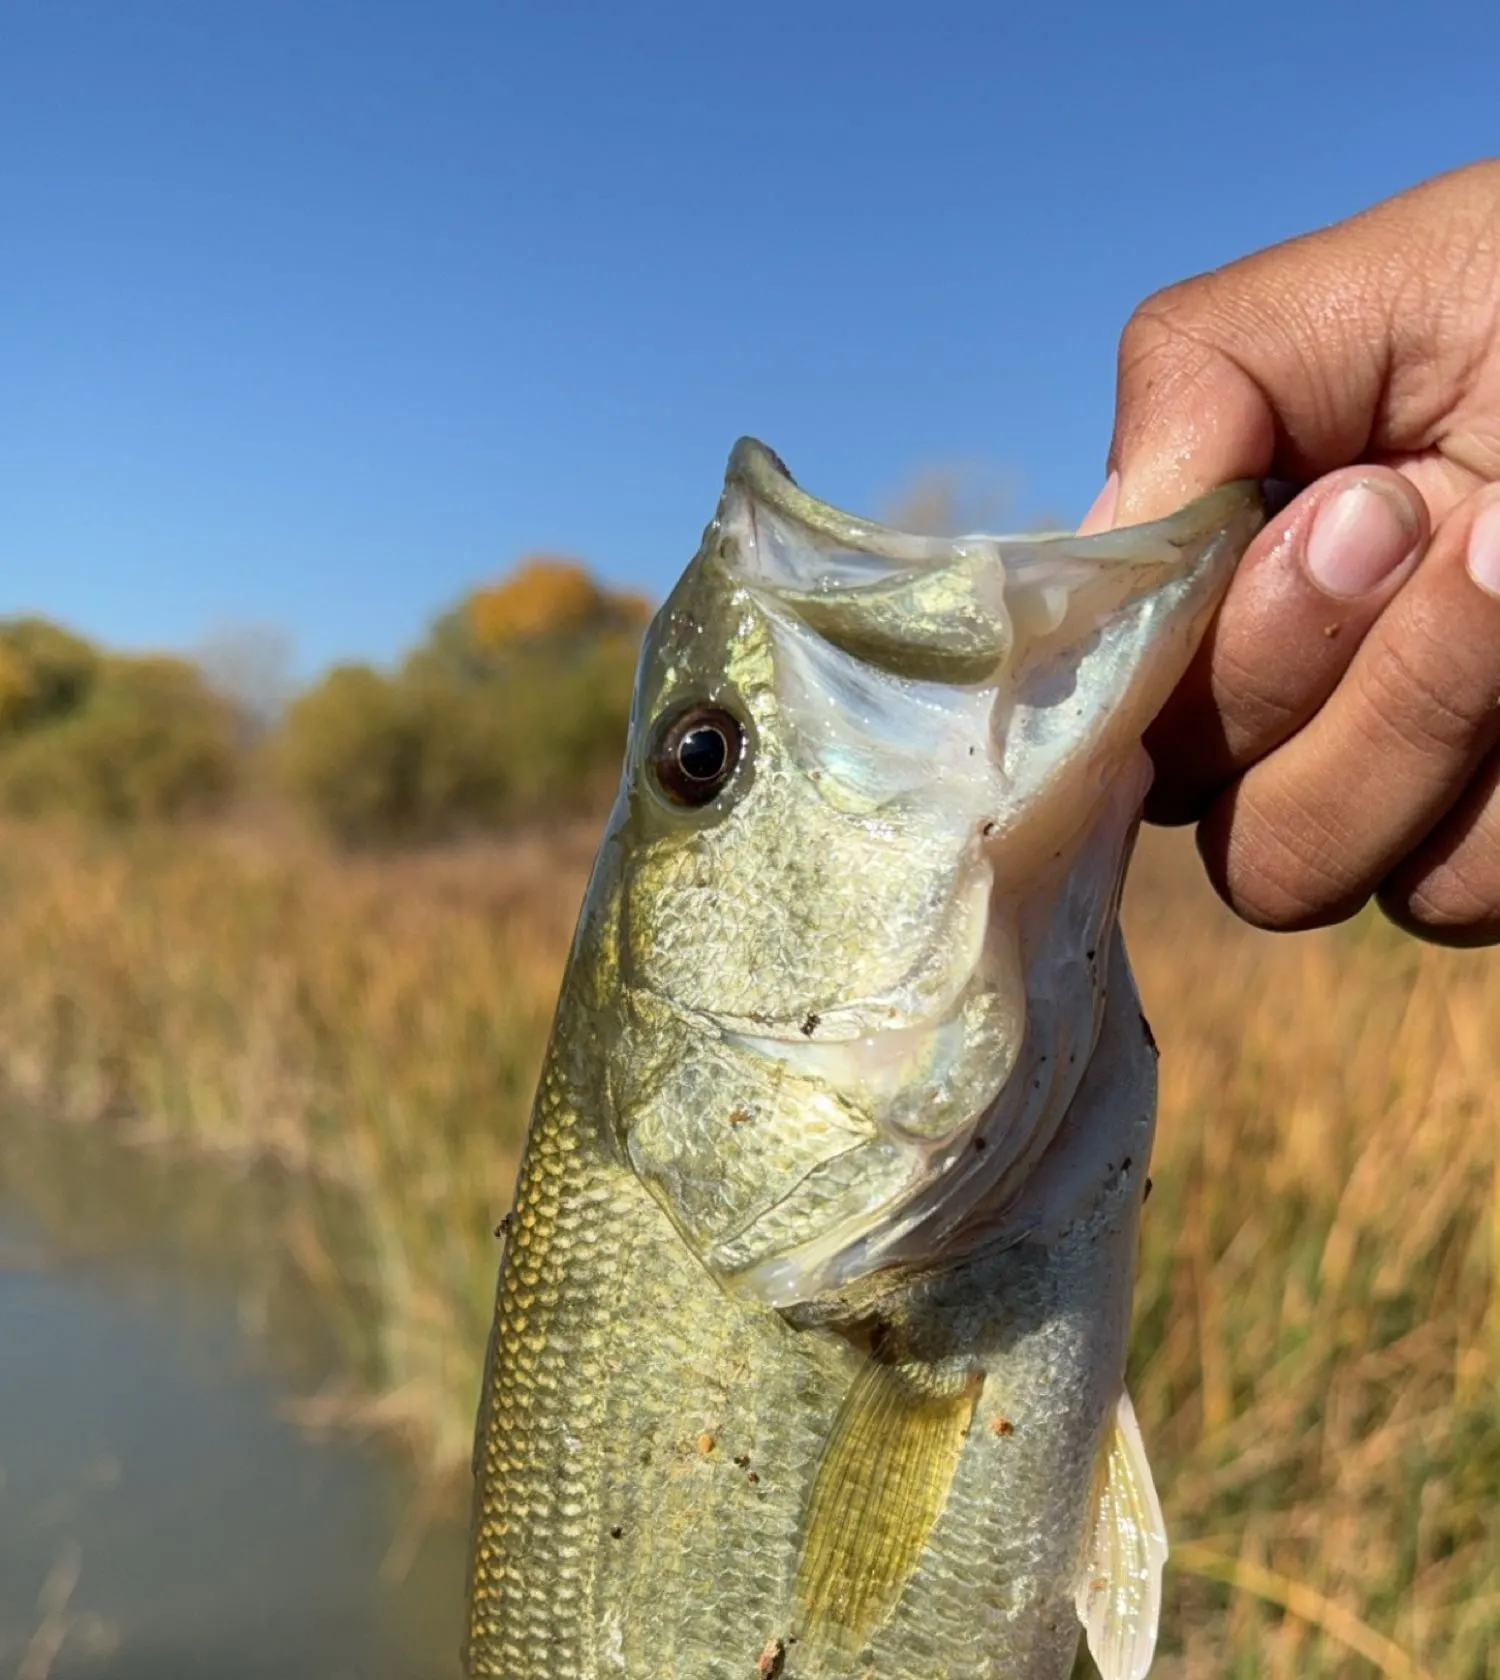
{"x":772,"y":1660}
{"x":617,"y":1532}
{"x":705,"y":1443}
{"x":740,"y":1116}
{"x":1002,"y":1426}
{"x":503,"y":1228}
{"x":810,"y":1023}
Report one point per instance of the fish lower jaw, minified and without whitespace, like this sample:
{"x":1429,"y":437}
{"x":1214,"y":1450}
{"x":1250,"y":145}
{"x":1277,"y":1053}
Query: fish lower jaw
{"x":923,"y":1083}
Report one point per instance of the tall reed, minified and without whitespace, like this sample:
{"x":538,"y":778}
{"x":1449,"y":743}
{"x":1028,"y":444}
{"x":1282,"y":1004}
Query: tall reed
{"x":1317,"y":1354}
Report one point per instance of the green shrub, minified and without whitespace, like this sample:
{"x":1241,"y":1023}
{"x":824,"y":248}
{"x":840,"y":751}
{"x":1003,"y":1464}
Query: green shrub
{"x":141,"y":739}
{"x":515,"y":705}
{"x":350,"y":753}
{"x":45,"y":672}
{"x":427,"y":754}
{"x":565,"y":724}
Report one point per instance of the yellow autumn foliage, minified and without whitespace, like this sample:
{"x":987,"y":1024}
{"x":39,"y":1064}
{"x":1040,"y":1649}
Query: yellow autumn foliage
{"x":548,"y":596}
{"x":543,"y":596}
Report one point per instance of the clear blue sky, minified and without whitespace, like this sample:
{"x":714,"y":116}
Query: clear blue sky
{"x":316,"y":311}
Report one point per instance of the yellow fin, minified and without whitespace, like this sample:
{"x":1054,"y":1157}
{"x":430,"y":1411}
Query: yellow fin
{"x":881,"y":1485}
{"x":1119,"y":1590}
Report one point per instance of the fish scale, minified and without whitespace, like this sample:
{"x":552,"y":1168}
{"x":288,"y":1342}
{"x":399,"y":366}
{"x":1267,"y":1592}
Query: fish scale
{"x":811,"y":1321}
{"x":596,"y":1418}
{"x":536,"y":1466}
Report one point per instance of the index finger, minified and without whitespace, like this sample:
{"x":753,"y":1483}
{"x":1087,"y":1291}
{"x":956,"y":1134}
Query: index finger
{"x":1359,"y":343}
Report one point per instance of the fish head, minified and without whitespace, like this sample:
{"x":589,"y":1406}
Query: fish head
{"x":877,"y":804}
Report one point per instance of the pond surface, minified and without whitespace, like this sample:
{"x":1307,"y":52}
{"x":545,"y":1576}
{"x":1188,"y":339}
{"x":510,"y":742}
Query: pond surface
{"x":163,"y":1513}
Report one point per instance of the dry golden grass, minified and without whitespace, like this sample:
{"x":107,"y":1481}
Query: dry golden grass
{"x":376,"y":1024}
{"x":1317,"y":1359}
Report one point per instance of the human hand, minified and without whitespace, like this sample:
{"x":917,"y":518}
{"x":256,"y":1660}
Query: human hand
{"x":1339,"y":733}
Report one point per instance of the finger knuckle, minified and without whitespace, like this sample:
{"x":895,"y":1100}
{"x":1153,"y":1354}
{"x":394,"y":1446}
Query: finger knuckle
{"x":1169,"y":320}
{"x":1443,"y":908}
{"x":1200,"y":751}
{"x":1264,"y":700}
{"x":1422,"y":694}
{"x":1278,"y":863}
{"x":1450,"y":893}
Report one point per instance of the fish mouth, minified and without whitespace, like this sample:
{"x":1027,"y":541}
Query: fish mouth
{"x":961,"y":713}
{"x":1052,"y":650}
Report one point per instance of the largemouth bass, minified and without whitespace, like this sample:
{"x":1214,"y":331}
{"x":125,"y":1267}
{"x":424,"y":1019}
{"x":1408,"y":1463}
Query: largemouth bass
{"x":811,"y":1325}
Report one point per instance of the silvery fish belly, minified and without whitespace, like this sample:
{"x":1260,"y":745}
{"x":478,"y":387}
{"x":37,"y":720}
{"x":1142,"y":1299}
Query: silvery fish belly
{"x":811,"y":1324}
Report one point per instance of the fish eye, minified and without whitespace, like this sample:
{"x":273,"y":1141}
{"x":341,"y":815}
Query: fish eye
{"x":696,"y":754}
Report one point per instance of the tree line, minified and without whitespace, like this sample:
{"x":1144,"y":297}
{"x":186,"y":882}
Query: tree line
{"x":513,"y":705}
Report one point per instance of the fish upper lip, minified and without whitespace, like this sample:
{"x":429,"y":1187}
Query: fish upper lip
{"x":759,"y":470}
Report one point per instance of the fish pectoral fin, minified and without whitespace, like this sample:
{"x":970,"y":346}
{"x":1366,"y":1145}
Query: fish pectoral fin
{"x":881,"y":1485}
{"x":1119,"y":1588}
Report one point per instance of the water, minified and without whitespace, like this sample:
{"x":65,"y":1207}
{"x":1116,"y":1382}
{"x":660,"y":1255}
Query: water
{"x":162,"y":1516}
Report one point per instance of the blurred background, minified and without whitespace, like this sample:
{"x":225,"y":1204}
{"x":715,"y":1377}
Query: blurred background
{"x":367,"y":371}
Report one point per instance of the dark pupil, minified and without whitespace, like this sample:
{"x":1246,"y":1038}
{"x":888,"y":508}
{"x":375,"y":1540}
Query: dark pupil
{"x":703,"y":753}
{"x":694,"y":756}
